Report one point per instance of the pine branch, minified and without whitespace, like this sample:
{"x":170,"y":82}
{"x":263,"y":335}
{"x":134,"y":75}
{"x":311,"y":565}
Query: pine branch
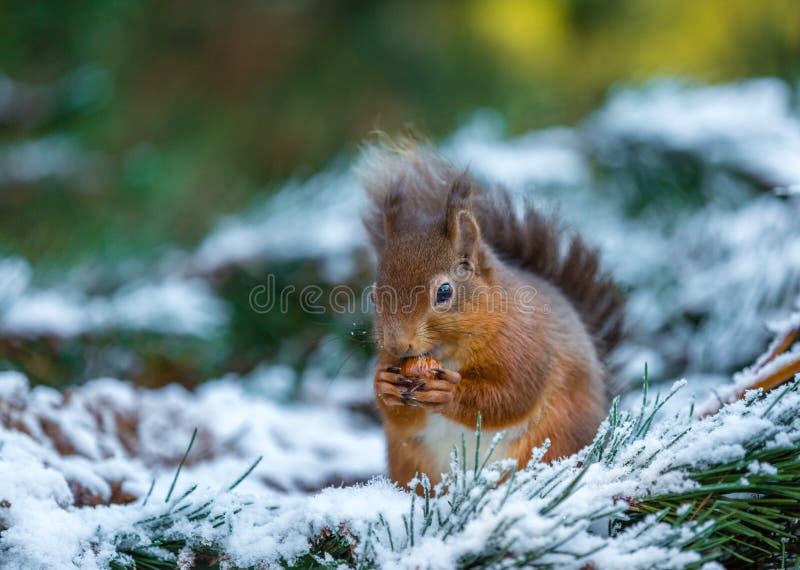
{"x":740,"y":510}
{"x":777,"y":366}
{"x":755,"y":514}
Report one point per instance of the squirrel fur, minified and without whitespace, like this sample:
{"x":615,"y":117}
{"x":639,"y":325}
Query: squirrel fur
{"x":523,"y":332}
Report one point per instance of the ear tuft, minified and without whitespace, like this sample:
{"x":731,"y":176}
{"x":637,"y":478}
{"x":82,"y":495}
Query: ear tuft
{"x":392,"y":204}
{"x":460,"y":225}
{"x":458,"y":199}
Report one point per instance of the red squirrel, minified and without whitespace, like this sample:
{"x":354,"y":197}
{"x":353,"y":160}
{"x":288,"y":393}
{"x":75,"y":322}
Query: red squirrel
{"x":521,"y":317}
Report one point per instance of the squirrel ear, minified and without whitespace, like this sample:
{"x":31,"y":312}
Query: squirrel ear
{"x":457,"y":201}
{"x":467,"y":235}
{"x":460,"y":225}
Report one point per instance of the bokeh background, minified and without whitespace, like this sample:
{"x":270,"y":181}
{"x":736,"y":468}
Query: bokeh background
{"x":156,"y":159}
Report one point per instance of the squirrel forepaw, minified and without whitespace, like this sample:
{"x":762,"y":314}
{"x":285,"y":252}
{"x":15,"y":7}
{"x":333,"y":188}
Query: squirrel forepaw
{"x":433,"y":394}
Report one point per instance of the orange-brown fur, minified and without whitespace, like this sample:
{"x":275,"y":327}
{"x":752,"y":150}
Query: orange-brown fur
{"x":533,"y":366}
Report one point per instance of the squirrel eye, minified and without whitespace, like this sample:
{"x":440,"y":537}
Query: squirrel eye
{"x":443,"y":293}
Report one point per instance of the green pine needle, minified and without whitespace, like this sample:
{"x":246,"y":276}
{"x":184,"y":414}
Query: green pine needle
{"x":180,"y":466}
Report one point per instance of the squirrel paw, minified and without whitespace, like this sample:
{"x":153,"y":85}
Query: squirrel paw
{"x":433,"y":393}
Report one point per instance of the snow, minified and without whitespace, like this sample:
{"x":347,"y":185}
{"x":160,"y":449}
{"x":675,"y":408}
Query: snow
{"x":540,"y":158}
{"x":38,"y":481}
{"x":107,"y":432}
{"x":13,"y":386}
{"x":750,"y":256}
{"x":51,"y":157}
{"x":171,"y":306}
{"x":105,"y":423}
{"x":313,"y":219}
{"x":651,"y":465}
{"x":46,"y":312}
{"x":748,"y":126}
{"x":15,"y":276}
{"x":769,"y":363}
{"x":761,"y":468}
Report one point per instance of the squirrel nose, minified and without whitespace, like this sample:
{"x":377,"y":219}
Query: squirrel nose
{"x":399,"y":344}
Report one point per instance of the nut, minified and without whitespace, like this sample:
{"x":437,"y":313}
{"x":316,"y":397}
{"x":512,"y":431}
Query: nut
{"x":419,"y":366}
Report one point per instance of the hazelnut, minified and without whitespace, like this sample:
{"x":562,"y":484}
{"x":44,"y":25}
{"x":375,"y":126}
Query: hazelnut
{"x":418,"y":366}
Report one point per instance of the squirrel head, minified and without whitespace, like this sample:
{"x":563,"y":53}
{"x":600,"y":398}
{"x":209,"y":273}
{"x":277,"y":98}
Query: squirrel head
{"x":429,"y":271}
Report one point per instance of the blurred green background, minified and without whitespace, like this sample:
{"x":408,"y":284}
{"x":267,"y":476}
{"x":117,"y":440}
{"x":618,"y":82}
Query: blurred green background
{"x":188,"y":108}
{"x":129,"y":127}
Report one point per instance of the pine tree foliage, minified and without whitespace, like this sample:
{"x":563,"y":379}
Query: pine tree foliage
{"x":650,"y":492}
{"x":661,"y":486}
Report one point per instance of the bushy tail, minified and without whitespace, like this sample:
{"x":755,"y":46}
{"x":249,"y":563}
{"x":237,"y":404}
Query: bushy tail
{"x":541,"y":245}
{"x":523,"y":237}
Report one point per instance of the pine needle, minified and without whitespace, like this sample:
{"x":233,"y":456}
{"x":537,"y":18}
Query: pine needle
{"x":246,"y":473}
{"x":180,"y":466}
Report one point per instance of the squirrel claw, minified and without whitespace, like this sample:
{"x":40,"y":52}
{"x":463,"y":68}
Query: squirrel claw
{"x":406,"y":381}
{"x":448,"y":375}
{"x":408,"y":399}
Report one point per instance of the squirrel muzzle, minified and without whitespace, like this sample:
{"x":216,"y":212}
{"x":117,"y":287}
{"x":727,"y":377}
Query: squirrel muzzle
{"x":401,"y":343}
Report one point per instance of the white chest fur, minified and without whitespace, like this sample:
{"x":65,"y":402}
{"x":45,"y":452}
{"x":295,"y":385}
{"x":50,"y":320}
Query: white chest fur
{"x":441,"y":434}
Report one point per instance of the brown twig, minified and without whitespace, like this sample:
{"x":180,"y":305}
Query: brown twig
{"x":774,"y":379}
